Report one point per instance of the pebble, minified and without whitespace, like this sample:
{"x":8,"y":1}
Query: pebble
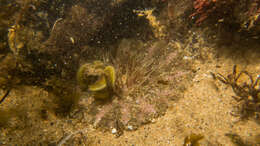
{"x":114,"y":130}
{"x":130,"y":127}
{"x":187,"y":58}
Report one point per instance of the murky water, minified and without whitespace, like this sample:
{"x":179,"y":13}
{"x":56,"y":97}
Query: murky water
{"x":89,"y":72}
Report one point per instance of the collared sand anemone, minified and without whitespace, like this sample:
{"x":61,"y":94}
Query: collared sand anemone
{"x":97,"y":78}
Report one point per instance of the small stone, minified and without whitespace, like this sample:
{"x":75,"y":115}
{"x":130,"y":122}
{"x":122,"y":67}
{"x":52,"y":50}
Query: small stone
{"x":114,"y":130}
{"x":188,"y":57}
{"x":130,"y":127}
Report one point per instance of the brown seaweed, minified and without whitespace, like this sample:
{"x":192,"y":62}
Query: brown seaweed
{"x":248,"y":92}
{"x":193,"y":140}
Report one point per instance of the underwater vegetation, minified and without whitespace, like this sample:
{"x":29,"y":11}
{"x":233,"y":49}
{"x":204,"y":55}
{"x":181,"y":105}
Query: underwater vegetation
{"x":159,"y":30}
{"x":237,"y":16}
{"x":193,"y":140}
{"x":247,"y":92}
{"x":238,"y":141}
{"x":47,"y":44}
{"x":206,"y":8}
{"x":131,"y":101}
{"x":82,"y":53}
{"x":203,"y":8}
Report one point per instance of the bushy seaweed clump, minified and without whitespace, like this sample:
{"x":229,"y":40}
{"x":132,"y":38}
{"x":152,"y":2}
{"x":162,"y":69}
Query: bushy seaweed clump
{"x":131,"y":104}
{"x":47,"y":49}
{"x":46,"y":46}
{"x":247,"y":92}
{"x":239,"y":141}
{"x":193,"y":140}
{"x":240,"y":15}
